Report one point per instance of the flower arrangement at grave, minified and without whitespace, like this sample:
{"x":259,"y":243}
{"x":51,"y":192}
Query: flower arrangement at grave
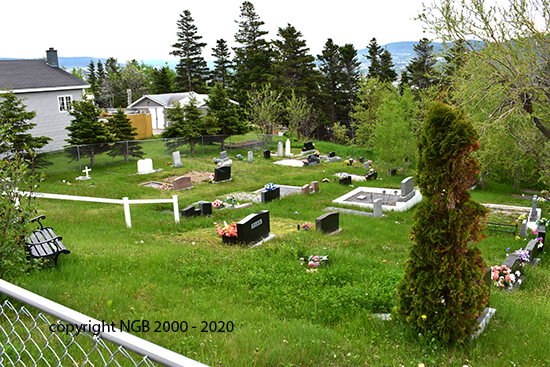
{"x":218,"y":204}
{"x":542,"y":222}
{"x":228,"y":230}
{"x":270,"y":186}
{"x":314,"y":262}
{"x":211,"y":178}
{"x":217,"y":160}
{"x":325,"y":180}
{"x":166,"y":186}
{"x":442,"y":292}
{"x":540,"y":245}
{"x":503,"y":277}
{"x":306,"y":226}
{"x":348,"y":162}
{"x":523,"y":256}
{"x":239,"y":157}
{"x":343,"y":175}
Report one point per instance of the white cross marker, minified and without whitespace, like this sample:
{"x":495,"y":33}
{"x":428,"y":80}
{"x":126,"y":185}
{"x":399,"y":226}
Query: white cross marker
{"x":86,"y":171}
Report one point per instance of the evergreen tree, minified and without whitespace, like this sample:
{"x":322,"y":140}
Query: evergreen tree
{"x":101,"y":80}
{"x":222,"y":64}
{"x":253,"y":58}
{"x":442,"y":291}
{"x":16,"y":123}
{"x":294,"y":68}
{"x":163,"y":80}
{"x":224,"y":112}
{"x":331,"y":66}
{"x":387,"y":67}
{"x":350,"y":85}
{"x":91,"y":78}
{"x":422,"y":67}
{"x":187,"y":123}
{"x":86,"y":128}
{"x":121,"y":128}
{"x":112,"y":93}
{"x":374,"y":52}
{"x":192,"y":69}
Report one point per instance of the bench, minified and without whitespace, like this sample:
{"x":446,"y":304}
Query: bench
{"x":43,"y":243}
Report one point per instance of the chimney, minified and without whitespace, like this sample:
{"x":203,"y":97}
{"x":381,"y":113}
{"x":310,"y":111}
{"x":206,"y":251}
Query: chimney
{"x":51,"y":58}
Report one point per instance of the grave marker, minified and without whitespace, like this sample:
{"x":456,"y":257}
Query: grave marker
{"x":87,"y":177}
{"x":287,"y":148}
{"x":267,"y":154}
{"x":345,"y":180}
{"x":182,"y":183}
{"x":222,"y":173}
{"x":254,"y":227}
{"x":280,"y":149}
{"x":189,"y":212}
{"x":270,"y":195}
{"x":315,"y":186}
{"x":305,"y":189}
{"x":407,"y":189}
{"x":308,"y":146}
{"x":523,"y":228}
{"x":205,"y":207}
{"x":176,"y":159}
{"x":535,"y":254}
{"x":533,"y":215}
{"x":377,"y":210}
{"x":312,"y":160}
{"x":328,"y":223}
{"x":145,"y":166}
{"x":250,"y":156}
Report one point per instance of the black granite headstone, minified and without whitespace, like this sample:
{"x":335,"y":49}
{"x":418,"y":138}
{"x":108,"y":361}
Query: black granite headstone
{"x":254,"y":227}
{"x":371,"y":175}
{"x":308,"y":145}
{"x":222,"y":173}
{"x":267,"y":154}
{"x":328,"y":222}
{"x":205,"y":207}
{"x":361,"y":160}
{"x":542,"y":233}
{"x":331,"y":154}
{"x":345,"y":181}
{"x":270,"y":195}
{"x":189,"y":211}
{"x":533,"y":250}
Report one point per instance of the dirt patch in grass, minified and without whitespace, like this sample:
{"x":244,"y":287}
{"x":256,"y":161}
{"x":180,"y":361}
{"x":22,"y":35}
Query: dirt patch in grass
{"x":196,"y":177}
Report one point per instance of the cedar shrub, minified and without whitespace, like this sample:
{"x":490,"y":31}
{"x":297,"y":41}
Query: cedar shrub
{"x":442,"y":292}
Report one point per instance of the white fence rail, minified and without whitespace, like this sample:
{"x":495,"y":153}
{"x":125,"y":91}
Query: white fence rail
{"x":124,"y":201}
{"x":26,"y":339}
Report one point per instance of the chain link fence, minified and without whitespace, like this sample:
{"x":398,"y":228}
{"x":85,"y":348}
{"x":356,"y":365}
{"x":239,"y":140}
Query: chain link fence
{"x":78,"y":156}
{"x":49,"y":334}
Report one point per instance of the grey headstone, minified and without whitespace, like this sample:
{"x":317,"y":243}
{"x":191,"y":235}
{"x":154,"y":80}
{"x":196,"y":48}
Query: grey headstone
{"x":328,"y":222}
{"x":254,"y":227}
{"x":512,"y":262}
{"x":533,"y":215}
{"x":542,"y":232}
{"x":523,"y":228}
{"x":366,"y":165}
{"x":176,"y":159}
{"x":223,"y":156}
{"x":377,"y":210}
{"x":287,"y":148}
{"x":250,"y":156}
{"x":407,"y":186}
{"x":280,"y":149}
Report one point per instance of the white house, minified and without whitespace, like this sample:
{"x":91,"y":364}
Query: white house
{"x":46,"y":89}
{"x":158,"y":103}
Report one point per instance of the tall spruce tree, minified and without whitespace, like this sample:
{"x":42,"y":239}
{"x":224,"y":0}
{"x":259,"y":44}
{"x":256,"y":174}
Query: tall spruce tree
{"x":121,"y":128}
{"x":91,"y":78}
{"x":222,"y":64}
{"x":422,"y":67}
{"x":163,"y":80}
{"x":373,"y":55}
{"x":442,"y":291}
{"x":294,"y":67}
{"x":350,"y":85}
{"x":387,"y":67}
{"x":253,"y":56}
{"x":192,"y":70}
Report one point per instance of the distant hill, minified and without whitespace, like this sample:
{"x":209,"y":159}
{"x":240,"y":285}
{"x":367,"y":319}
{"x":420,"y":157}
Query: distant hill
{"x":402,"y":53}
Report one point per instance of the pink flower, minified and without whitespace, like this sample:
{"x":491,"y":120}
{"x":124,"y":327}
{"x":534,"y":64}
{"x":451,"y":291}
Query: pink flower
{"x":311,"y":264}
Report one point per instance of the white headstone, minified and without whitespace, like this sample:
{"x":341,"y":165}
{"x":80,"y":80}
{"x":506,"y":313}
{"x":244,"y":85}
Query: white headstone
{"x":145,"y":165}
{"x":176,"y":159}
{"x":287,"y":148}
{"x":250,"y":156}
{"x":280,"y":149}
{"x":377,"y":210}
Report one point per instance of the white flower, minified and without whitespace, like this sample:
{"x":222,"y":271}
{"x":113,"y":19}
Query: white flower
{"x":518,"y":273}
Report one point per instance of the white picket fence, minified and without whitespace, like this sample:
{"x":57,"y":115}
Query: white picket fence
{"x":29,"y":338}
{"x":124,"y":201}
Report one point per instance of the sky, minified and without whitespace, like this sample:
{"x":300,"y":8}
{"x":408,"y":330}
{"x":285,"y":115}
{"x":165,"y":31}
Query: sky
{"x":146,"y":30}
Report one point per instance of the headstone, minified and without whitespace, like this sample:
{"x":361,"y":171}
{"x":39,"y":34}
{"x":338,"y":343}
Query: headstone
{"x":280,"y":149}
{"x":270,"y":195}
{"x":308,"y":145}
{"x":328,"y":222}
{"x":250,"y":156}
{"x":287,"y":148}
{"x":223,"y":156}
{"x":512,"y":262}
{"x":222,"y":173}
{"x":345,"y":180}
{"x":305,"y":189}
{"x":361,"y":160}
{"x":523,"y":228}
{"x":315,"y":186}
{"x":366,"y":165}
{"x":331,"y":155}
{"x":533,"y":215}
{"x":254,"y":227}
{"x":189,"y":211}
{"x":373,"y":175}
{"x":145,"y":166}
{"x":205,"y":207}
{"x":267,"y":154}
{"x":377,"y":209}
{"x":182,"y":183}
{"x":87,"y":177}
{"x":312,"y":160}
{"x":407,"y":189}
{"x":176,"y":159}
{"x":535,"y":254}
{"x":542,"y":232}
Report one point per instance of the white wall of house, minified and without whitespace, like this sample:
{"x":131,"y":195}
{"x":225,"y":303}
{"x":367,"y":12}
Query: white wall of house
{"x":49,"y":120}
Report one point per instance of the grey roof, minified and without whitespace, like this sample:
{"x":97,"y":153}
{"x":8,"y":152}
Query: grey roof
{"x":35,"y":74}
{"x":167,"y":100}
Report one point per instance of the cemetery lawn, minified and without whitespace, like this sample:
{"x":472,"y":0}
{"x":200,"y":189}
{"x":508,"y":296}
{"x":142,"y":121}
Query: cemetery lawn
{"x":281,"y":315}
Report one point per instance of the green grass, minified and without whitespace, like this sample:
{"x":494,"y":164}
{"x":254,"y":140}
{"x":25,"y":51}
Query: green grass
{"x":283,"y":316}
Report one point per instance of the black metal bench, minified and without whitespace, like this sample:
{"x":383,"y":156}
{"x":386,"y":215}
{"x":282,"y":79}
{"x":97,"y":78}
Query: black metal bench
{"x":43,"y":243}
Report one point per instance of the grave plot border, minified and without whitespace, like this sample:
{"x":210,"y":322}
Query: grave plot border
{"x":400,"y":206}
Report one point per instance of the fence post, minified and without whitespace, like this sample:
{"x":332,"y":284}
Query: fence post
{"x":176,"y":209}
{"x":202,"y":143}
{"x":78,"y":152}
{"x":166,"y":148}
{"x":126,"y":204}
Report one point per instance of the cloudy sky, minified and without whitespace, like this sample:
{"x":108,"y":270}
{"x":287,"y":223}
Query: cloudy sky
{"x":146,"y":30}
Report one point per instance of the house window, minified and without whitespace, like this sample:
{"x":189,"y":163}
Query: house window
{"x":64,"y":103}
